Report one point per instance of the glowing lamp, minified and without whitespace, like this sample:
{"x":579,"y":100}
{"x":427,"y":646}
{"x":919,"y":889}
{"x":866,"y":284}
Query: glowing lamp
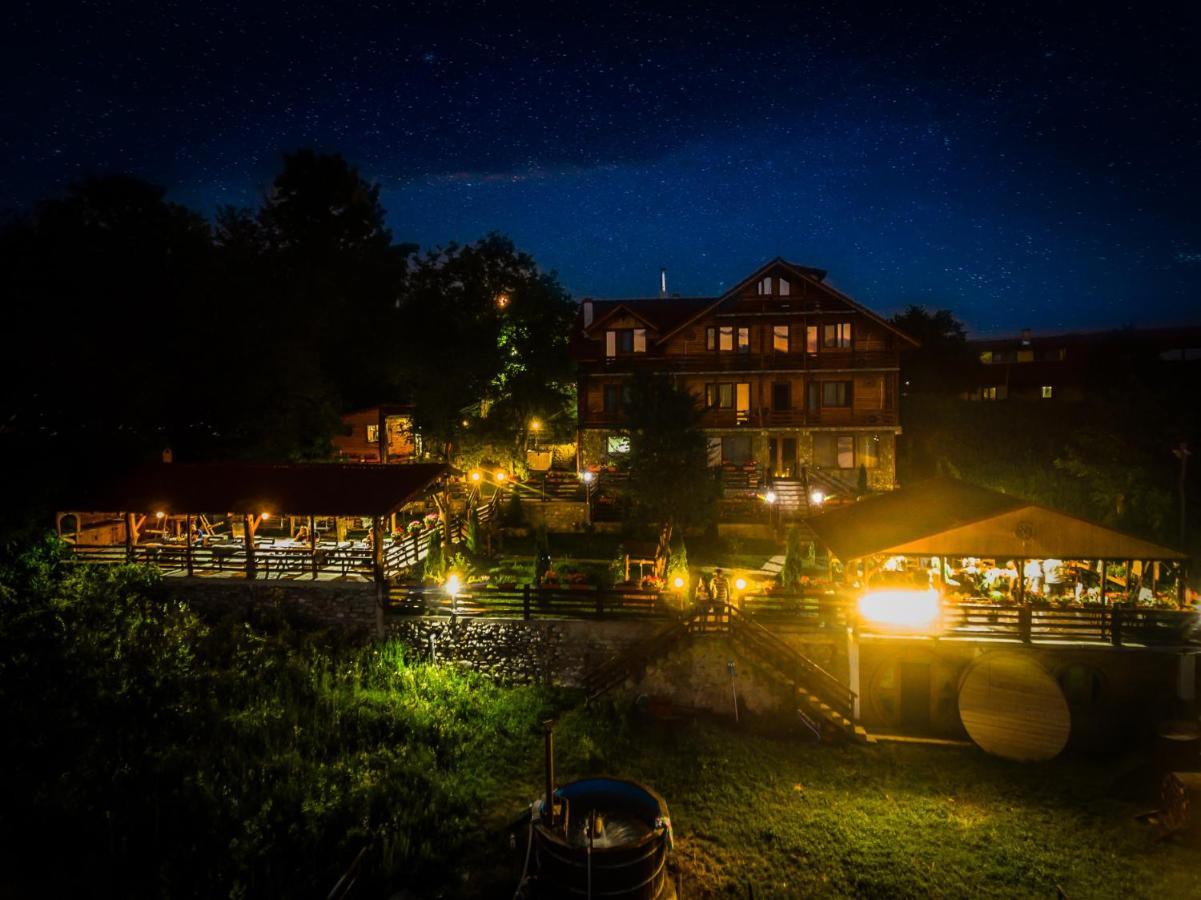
{"x":476,"y":476}
{"x":901,"y":610}
{"x":159,"y":515}
{"x":678,"y":583}
{"x":500,"y":476}
{"x":265,"y":516}
{"x":452,"y":585}
{"x":740,"y":584}
{"x":587,"y":476}
{"x":770,"y":496}
{"x":817,"y":498}
{"x":535,"y":425}
{"x":502,"y":300}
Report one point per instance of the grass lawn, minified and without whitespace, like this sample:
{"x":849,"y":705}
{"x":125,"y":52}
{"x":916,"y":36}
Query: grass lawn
{"x":889,"y":820}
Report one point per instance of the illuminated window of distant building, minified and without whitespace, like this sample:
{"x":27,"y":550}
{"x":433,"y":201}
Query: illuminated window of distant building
{"x":988,"y":393}
{"x":836,"y":336}
{"x":710,"y":338}
{"x":610,"y":343}
{"x":1048,"y":391}
{"x":618,"y":444}
{"x":725,"y":337}
{"x":779,"y":338}
{"x":744,"y":340}
{"x":811,"y":339}
{"x":986,"y":356}
{"x":639,"y":340}
{"x":742,"y":405}
{"x":784,"y":287}
{"x":372,"y":434}
{"x":1025,"y":356}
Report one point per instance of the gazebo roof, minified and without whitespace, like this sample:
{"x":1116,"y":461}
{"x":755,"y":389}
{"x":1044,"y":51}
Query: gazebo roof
{"x":946,"y":516}
{"x":289,"y":489}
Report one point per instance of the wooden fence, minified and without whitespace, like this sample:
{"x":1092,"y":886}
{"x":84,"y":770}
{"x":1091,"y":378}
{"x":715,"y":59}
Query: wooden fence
{"x":533,"y":603}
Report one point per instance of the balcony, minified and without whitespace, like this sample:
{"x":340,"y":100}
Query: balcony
{"x":749,"y":362}
{"x":764,"y":418}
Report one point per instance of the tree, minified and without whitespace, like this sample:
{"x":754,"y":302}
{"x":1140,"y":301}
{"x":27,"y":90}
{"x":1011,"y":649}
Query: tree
{"x":670,"y":482}
{"x":435,"y":563}
{"x":942,"y":354}
{"x":794,"y":560}
{"x":677,"y":563}
{"x":475,"y":541}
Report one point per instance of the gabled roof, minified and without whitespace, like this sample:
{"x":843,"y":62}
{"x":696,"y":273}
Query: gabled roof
{"x":949,"y":516}
{"x":808,"y":274}
{"x":658,"y":313}
{"x":325,"y":489}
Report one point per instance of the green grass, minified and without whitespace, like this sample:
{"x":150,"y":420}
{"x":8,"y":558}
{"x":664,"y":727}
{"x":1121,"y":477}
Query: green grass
{"x":889,"y":820}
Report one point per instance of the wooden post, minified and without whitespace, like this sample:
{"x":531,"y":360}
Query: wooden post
{"x":1181,"y":596}
{"x":130,"y":537}
{"x":382,"y":435}
{"x":249,"y":525}
{"x":1115,"y":630}
{"x":525,"y":602}
{"x":1026,"y":624}
{"x":313,"y":544}
{"x":1104,"y":579}
{"x":188,"y":541}
{"x":1022,"y":582}
{"x":377,"y":548}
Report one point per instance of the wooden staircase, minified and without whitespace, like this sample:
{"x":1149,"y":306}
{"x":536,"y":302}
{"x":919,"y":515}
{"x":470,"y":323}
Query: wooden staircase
{"x":820,"y":696}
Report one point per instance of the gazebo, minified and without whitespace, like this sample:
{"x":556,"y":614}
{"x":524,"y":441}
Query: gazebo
{"x":947,"y":521}
{"x":252,"y":520}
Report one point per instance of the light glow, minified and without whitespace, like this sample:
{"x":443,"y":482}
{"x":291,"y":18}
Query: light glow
{"x":500,"y":476}
{"x":587,"y":476}
{"x":770,"y":496}
{"x":452,"y":585}
{"x":265,"y":516}
{"x":817,"y":498}
{"x":535,"y":425}
{"x":159,"y":515}
{"x":740,"y":584}
{"x":678,"y":583}
{"x":902,"y":610}
{"x":476,"y":476}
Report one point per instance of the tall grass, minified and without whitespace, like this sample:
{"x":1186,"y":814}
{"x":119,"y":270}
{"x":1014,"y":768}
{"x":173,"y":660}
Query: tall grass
{"x":169,"y":757}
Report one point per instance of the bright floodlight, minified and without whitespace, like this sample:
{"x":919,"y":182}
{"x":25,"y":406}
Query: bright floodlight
{"x":159,"y":515}
{"x":475,"y":476}
{"x":678,"y":583}
{"x":770,"y":496}
{"x":587,"y":476}
{"x":500,"y":476}
{"x":452,"y":585}
{"x":535,"y":425}
{"x":901,"y":610}
{"x":817,"y":498}
{"x":740,"y":584}
{"x":265,"y":515}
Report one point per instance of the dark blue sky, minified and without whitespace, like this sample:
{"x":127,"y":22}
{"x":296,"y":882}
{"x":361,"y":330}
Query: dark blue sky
{"x":1023,"y":166}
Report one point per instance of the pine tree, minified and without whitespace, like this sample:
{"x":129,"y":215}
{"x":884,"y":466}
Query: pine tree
{"x":434,"y":562}
{"x":677,"y":563}
{"x":475,"y":542}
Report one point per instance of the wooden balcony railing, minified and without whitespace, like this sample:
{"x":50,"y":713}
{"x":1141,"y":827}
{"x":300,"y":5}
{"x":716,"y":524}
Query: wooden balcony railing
{"x":734,"y":362}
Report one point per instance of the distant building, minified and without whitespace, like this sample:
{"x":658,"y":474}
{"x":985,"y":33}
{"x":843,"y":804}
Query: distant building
{"x":791,"y":374}
{"x":1071,"y":367}
{"x":361,"y":442}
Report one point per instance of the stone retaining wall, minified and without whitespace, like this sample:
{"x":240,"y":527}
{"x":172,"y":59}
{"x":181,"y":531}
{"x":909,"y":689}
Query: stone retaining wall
{"x":548,"y":651}
{"x":349,"y":605}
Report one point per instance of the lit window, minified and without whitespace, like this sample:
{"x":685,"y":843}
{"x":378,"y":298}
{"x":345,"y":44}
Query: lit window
{"x":372,"y":434}
{"x":1048,"y":391}
{"x":784,"y":288}
{"x":610,"y":343}
{"x":986,"y":356}
{"x":639,"y":340}
{"x":811,"y":339}
{"x":779,"y":338}
{"x":742,"y":404}
{"x":725,"y":337}
{"x":725,"y":396}
{"x":765,"y":285}
{"x":988,"y":393}
{"x":836,"y":336}
{"x":618,"y":444}
{"x":744,"y":340}
{"x":710,"y":338}
{"x":1025,"y":356}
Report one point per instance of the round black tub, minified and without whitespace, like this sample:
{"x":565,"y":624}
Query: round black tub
{"x":613,"y":844}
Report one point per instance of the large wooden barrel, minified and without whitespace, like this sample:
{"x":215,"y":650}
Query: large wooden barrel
{"x":1012,"y":707}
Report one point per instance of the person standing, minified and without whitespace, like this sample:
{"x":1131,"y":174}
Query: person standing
{"x":720,"y":589}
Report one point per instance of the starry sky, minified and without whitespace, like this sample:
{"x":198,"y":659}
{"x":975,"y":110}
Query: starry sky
{"x":1023,"y":165}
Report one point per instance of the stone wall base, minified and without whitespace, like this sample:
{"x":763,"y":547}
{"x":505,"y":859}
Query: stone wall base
{"x":349,"y":605}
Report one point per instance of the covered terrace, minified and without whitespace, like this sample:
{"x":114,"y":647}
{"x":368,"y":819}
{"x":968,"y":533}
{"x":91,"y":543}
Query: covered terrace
{"x":295,"y":521}
{"x":987,"y":561}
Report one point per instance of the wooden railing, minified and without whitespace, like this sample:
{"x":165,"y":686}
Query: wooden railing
{"x":531,"y":603}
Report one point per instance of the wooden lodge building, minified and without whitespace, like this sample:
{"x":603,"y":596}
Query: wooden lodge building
{"x":360,"y":440}
{"x":796,"y":379}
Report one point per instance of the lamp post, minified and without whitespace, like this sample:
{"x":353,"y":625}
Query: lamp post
{"x":587,"y":477}
{"x":770,"y":499}
{"x":452,"y":591}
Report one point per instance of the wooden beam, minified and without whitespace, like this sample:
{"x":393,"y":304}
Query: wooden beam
{"x":130,"y":539}
{"x":248,"y":529}
{"x":313,"y":544}
{"x":382,"y":434}
{"x":377,"y":548}
{"x":188,"y":542}
{"x":1104,"y":579}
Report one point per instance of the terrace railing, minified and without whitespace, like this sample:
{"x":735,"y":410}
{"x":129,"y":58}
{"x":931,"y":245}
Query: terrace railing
{"x":533,"y":603}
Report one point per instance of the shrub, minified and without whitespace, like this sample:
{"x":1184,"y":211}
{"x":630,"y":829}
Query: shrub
{"x":435,"y":563}
{"x":514,"y":514}
{"x":790,"y":573}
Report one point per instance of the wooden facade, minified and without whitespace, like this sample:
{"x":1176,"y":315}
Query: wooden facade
{"x":788,"y":371}
{"x":360,"y":440}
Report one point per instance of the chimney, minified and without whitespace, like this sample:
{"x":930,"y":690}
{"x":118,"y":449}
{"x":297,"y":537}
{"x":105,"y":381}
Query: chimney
{"x":587,"y":313}
{"x":663,"y":282}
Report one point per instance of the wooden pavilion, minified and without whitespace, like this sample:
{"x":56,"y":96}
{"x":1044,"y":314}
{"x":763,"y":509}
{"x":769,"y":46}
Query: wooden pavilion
{"x":944,"y":518}
{"x":252,"y":520}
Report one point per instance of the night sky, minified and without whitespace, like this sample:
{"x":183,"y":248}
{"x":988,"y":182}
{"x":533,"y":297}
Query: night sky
{"x":1022,"y":166}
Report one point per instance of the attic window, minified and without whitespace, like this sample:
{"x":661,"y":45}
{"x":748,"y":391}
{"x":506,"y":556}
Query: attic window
{"x":765,"y":285}
{"x":784,"y":289}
